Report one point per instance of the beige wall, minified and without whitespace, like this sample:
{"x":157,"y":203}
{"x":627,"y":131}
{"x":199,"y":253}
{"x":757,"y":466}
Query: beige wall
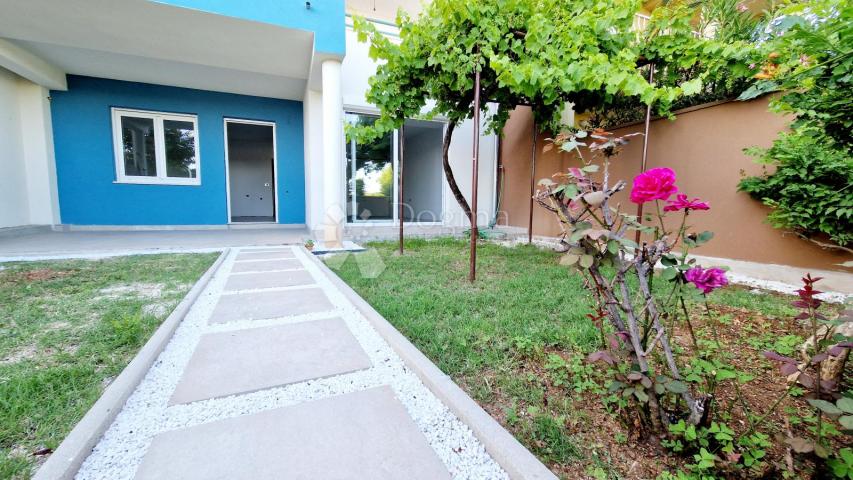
{"x":705,"y":148}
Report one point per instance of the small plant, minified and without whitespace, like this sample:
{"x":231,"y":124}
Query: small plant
{"x":819,"y":383}
{"x":309,"y":244}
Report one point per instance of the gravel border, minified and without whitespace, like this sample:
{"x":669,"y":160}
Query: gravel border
{"x":146,"y":413}
{"x":516,"y":460}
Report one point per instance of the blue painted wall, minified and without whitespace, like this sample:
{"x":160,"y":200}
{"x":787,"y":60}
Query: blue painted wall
{"x":326,"y":18}
{"x":85,"y":162}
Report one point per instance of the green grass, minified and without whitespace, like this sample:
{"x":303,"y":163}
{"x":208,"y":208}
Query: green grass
{"x":68,"y":328}
{"x":499,"y":337}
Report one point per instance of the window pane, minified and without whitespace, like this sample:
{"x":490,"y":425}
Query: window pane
{"x":372,"y":186}
{"x":180,"y":149}
{"x":137,"y":138}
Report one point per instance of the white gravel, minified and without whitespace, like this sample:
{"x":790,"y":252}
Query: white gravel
{"x":736,"y":278}
{"x":146,"y":413}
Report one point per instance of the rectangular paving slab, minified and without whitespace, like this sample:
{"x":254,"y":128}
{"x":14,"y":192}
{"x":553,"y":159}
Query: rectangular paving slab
{"x":361,"y":435}
{"x":251,"y":281}
{"x":265,"y":255}
{"x":267,"y":265}
{"x":270,"y":304}
{"x":253,"y":359}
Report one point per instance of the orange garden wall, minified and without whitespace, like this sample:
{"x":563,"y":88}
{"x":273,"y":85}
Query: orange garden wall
{"x":705,"y":148}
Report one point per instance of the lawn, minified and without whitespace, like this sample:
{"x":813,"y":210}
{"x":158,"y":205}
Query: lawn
{"x":516,"y":342}
{"x":68,"y":329}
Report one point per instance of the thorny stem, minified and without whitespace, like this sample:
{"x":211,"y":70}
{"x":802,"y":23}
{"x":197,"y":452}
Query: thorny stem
{"x":660,"y":218}
{"x":689,"y":324}
{"x":815,"y":346}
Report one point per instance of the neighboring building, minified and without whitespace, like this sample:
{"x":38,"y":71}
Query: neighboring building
{"x":209,"y":112}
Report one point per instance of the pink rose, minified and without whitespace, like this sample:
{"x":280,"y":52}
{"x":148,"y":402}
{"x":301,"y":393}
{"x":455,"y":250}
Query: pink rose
{"x":654,"y":184}
{"x":682,"y":203}
{"x":707,"y":280}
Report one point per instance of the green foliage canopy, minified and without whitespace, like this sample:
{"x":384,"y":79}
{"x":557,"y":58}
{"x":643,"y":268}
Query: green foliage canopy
{"x":811,"y":63}
{"x":541,"y":53}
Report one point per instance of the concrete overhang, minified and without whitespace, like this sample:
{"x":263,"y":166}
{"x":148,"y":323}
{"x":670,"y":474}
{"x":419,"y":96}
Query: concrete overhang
{"x":142,"y":41}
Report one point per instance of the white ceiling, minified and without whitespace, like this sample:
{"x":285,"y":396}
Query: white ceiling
{"x":150,"y":42}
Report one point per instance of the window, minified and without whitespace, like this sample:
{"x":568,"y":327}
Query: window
{"x":156,"y":148}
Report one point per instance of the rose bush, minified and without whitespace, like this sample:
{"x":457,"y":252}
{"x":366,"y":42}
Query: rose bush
{"x":665,"y":392}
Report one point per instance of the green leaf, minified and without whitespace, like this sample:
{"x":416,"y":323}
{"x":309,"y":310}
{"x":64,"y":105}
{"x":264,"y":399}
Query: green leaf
{"x":691,"y":87}
{"x":845,"y":404}
{"x":613,"y":247}
{"x":676,"y":386}
{"x":569,"y":259}
{"x":846,"y":421}
{"x":586,"y":261}
{"x":826,"y":407}
{"x":669,"y":273}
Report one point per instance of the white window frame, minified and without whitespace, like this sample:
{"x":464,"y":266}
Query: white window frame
{"x":159,"y":147}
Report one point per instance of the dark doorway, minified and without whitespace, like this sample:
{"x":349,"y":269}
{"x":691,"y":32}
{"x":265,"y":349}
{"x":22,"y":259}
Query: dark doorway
{"x":251,"y":171}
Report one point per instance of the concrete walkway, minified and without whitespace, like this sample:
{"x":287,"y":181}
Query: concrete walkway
{"x":275,"y":374}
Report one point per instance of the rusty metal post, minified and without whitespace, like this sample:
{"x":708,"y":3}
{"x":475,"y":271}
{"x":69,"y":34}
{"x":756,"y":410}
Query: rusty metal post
{"x":532,"y":186}
{"x":400,"y":183}
{"x":645,"y":147}
{"x":472,"y":270}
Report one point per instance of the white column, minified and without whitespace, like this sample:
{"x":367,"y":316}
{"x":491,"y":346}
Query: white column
{"x":37,"y":134}
{"x":333,"y":155}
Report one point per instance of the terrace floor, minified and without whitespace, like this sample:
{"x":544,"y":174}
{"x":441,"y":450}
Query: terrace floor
{"x":92,"y":243}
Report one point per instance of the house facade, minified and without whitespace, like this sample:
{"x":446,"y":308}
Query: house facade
{"x":210,"y":114}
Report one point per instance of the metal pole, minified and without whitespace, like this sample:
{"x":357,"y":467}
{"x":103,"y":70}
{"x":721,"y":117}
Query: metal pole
{"x":400,"y":183}
{"x":472,"y":270}
{"x":645,"y":148}
{"x":532,"y":186}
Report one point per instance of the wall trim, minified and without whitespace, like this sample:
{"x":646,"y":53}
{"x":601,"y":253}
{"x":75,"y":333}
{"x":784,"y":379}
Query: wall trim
{"x":21,"y":230}
{"x":682,"y":111}
{"x":135,"y":228}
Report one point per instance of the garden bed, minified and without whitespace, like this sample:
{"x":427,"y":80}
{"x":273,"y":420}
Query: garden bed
{"x":516,"y":342}
{"x":69,"y":328}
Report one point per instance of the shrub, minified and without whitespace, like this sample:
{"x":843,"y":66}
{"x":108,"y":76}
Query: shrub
{"x":810,"y":190}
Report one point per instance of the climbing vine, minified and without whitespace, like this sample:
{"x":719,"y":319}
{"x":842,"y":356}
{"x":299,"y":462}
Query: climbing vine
{"x":541,"y":53}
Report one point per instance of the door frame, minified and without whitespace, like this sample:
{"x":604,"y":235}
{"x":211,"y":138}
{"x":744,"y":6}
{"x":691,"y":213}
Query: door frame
{"x":275,"y":206}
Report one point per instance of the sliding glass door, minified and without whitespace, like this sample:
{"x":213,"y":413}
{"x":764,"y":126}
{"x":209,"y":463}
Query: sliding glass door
{"x":372,"y":173}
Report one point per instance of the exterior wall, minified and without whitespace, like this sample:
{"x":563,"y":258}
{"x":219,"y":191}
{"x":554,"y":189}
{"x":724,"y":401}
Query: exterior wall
{"x":325,"y":17}
{"x":13,"y":174}
{"x":88,"y":194}
{"x":27,"y":174}
{"x":705,"y":148}
{"x":358,"y":68}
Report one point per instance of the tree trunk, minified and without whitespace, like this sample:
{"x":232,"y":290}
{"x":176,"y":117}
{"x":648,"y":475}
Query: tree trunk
{"x":448,"y":172}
